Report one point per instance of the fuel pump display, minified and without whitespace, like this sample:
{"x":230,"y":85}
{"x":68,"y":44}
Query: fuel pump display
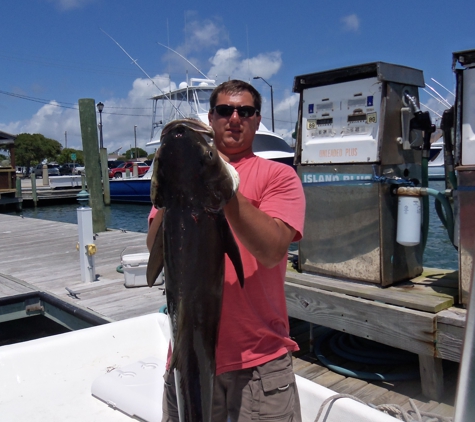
{"x":355,"y":147}
{"x":340,"y":122}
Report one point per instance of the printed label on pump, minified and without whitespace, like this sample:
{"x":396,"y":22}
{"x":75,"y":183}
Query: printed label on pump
{"x":340,"y":122}
{"x":309,"y":178}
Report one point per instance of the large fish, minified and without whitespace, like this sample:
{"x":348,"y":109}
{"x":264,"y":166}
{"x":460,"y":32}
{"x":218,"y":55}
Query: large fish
{"x":192,"y":182}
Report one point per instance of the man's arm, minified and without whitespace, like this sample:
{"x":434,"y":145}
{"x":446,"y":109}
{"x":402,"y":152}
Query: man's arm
{"x":153,"y":228}
{"x":265,"y":237}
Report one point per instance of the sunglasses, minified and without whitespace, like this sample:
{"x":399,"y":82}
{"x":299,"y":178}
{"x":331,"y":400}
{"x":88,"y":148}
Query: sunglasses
{"x":227,"y":110}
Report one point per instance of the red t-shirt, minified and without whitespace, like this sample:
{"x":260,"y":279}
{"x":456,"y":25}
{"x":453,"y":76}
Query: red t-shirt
{"x":254,"y":326}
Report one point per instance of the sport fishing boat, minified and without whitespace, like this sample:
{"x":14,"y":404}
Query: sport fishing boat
{"x":191,"y":100}
{"x":436,"y":160}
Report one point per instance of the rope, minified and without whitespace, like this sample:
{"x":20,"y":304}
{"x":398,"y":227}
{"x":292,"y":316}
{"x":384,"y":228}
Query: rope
{"x":393,"y":410}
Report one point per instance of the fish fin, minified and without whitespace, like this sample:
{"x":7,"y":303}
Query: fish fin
{"x":155,"y":261}
{"x":232,"y":249}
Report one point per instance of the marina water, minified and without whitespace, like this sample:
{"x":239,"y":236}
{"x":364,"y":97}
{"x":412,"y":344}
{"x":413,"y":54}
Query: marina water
{"x":439,"y":251}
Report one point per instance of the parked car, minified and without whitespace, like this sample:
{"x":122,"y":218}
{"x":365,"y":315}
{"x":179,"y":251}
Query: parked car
{"x":53,"y":170}
{"x":112,"y":164}
{"x":69,"y":168}
{"x":120,"y":170}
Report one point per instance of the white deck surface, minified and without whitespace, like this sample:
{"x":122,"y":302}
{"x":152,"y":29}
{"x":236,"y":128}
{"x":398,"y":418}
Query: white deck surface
{"x":50,"y":379}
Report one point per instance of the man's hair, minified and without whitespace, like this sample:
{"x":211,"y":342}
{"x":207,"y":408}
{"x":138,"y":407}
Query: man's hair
{"x":236,"y":86}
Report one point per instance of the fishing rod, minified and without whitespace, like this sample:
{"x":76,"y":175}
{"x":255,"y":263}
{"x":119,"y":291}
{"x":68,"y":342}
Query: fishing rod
{"x":440,"y":96}
{"x":184,"y":58}
{"x":146,"y":74}
{"x":438,"y":83}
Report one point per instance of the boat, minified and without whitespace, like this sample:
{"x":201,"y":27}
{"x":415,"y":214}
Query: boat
{"x":191,"y":100}
{"x":436,"y":160}
{"x":114,"y":372}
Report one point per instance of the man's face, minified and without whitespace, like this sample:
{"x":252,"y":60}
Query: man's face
{"x":234,"y":134}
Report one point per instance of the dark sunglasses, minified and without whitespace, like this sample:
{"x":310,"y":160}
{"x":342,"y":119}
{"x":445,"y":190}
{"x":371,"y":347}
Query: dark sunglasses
{"x":242,"y":111}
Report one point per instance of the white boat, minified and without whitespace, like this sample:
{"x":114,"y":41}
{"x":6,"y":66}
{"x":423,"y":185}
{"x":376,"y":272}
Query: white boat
{"x":436,"y":160}
{"x":114,"y":372}
{"x":191,"y":100}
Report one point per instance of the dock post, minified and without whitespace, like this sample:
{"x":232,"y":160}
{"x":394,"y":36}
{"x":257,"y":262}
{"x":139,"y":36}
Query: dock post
{"x":86,"y":246}
{"x":45,"y":175}
{"x":19,"y":205}
{"x":33,"y":189}
{"x":87,"y":118}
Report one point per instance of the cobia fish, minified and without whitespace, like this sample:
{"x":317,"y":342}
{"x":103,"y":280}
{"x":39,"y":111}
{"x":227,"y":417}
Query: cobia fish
{"x":192,"y":182}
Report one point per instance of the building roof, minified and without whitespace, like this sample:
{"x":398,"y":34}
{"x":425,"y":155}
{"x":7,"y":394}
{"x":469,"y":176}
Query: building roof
{"x":6,"y":138}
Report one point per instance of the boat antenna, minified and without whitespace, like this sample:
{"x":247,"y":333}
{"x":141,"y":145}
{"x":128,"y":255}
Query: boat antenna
{"x":184,"y":58}
{"x":145,"y":73}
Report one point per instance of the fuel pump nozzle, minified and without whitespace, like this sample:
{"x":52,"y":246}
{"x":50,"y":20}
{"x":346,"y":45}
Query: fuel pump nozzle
{"x":421,"y":121}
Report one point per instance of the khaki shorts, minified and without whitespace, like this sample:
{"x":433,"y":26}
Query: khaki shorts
{"x":263,"y":393}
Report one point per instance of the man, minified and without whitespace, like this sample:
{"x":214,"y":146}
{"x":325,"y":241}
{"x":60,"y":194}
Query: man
{"x":255,"y":380}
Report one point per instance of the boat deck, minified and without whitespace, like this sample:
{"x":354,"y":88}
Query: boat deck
{"x":41,"y":255}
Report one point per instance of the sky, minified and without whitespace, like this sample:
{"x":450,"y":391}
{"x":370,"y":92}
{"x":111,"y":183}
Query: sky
{"x":55,"y":52}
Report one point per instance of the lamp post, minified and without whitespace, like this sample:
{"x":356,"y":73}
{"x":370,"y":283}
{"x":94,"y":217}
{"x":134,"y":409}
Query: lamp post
{"x":100,"y":107}
{"x":135,"y":136}
{"x":271,"y":100}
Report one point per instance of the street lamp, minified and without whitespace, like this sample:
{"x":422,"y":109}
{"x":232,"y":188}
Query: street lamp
{"x":135,"y":136}
{"x":100,"y":107}
{"x":271,"y":100}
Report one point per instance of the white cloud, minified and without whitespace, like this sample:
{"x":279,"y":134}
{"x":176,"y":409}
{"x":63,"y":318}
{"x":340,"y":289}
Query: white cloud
{"x":351,"y":23}
{"x":204,"y":34}
{"x":227,"y":63}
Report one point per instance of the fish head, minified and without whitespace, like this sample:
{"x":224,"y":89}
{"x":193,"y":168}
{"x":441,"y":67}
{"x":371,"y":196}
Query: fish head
{"x":188,"y":169}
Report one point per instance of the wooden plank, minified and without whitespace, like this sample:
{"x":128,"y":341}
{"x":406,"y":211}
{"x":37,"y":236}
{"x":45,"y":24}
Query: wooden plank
{"x":449,"y":342}
{"x":452,"y":316}
{"x":406,"y":297}
{"x":398,"y":327}
{"x":432,"y":377}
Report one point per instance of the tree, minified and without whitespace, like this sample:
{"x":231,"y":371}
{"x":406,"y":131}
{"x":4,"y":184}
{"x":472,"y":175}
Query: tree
{"x":31,"y":149}
{"x":131,"y":153}
{"x":65,"y":156}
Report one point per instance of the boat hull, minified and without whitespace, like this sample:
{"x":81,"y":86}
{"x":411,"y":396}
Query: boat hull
{"x":130,"y":190}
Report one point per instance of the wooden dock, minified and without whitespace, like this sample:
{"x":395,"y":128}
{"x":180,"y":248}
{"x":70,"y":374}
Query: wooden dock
{"x":48,"y":194}
{"x":41,"y":255}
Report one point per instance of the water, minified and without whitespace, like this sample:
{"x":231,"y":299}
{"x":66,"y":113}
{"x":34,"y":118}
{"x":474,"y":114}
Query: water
{"x":130,"y":217}
{"x":439,"y":251}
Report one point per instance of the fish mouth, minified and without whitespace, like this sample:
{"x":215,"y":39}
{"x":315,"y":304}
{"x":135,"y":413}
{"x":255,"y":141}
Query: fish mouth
{"x":192,"y":124}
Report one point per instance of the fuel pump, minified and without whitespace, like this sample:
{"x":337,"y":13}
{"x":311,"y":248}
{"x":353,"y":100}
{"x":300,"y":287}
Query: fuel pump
{"x":359,"y":141}
{"x":464,"y":160}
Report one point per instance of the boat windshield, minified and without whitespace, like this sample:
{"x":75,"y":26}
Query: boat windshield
{"x":270,"y":143}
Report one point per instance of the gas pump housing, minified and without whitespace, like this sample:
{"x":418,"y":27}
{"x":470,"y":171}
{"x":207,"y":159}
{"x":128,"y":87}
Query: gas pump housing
{"x":464,"y":157}
{"x":354,"y":145}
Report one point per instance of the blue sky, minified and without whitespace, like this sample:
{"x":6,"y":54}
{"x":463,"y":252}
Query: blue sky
{"x":53,"y":52}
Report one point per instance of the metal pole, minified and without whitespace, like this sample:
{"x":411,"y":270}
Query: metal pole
{"x":101,"y":140}
{"x":271,"y":100}
{"x":272,"y":106}
{"x":135,"y":136}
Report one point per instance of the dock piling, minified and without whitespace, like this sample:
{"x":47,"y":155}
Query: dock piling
{"x":87,"y":117}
